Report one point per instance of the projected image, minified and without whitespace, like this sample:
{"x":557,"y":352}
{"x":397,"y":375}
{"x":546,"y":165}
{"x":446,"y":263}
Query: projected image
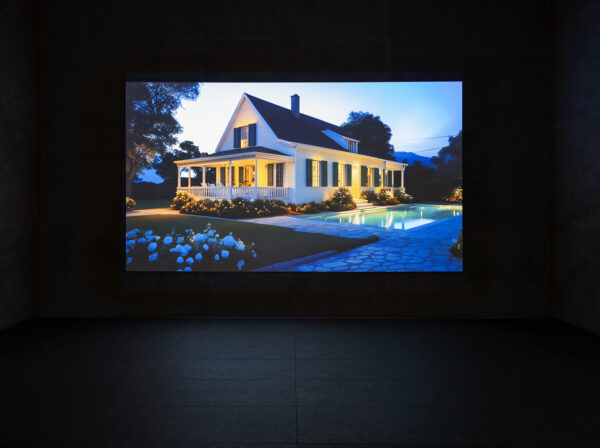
{"x":313,"y":177}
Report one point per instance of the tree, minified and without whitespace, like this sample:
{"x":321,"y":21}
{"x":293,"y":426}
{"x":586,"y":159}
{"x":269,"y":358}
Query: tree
{"x":151,"y":127}
{"x":433,"y":184}
{"x":373,"y":134}
{"x":165,"y":166}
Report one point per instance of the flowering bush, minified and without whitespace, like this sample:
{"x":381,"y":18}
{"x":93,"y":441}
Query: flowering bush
{"x":190,"y":251}
{"x":402,"y":196}
{"x":181,"y":198}
{"x":237,"y":208}
{"x":341,"y":199}
{"x":129,"y":203}
{"x":457,"y":248}
{"x":455,"y":196}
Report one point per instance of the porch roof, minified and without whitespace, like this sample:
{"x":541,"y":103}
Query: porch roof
{"x":252,"y":152}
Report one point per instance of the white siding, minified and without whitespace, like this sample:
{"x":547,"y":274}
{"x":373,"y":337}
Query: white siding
{"x":307,"y":194}
{"x":246,"y":115}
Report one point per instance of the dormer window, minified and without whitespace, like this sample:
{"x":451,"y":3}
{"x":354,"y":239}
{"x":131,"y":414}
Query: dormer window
{"x":352,"y":146}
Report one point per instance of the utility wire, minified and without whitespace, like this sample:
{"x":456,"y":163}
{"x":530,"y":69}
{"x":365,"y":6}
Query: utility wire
{"x":424,"y":138}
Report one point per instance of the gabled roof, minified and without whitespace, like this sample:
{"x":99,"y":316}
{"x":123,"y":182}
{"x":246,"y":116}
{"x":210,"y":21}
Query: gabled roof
{"x":305,"y":129}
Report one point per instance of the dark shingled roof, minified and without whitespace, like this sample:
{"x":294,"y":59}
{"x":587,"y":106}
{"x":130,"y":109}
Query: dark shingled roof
{"x":306,"y":129}
{"x":249,"y":149}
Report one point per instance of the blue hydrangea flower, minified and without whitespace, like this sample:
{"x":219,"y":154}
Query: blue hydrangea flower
{"x":180,"y":240}
{"x":240,"y":264}
{"x":228,"y":241}
{"x":217,"y":257}
{"x":142,"y":240}
{"x":190,"y":260}
{"x":179,"y":260}
{"x":187,"y":269}
{"x":240,"y":246}
{"x":200,"y":237}
{"x":205,"y":247}
{"x":153,"y":256}
{"x":168,"y":239}
{"x":198,"y":256}
{"x":151,"y":247}
{"x":224,"y":253}
{"x":128,"y":260}
{"x":148,"y":234}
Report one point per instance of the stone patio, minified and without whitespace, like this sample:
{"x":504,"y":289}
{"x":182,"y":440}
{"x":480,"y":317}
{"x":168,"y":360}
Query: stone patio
{"x":424,"y":248}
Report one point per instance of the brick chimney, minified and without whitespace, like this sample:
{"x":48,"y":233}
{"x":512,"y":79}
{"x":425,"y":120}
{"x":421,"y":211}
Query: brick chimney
{"x":296,"y":105}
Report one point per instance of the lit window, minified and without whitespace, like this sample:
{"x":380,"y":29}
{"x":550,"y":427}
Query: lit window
{"x":341,"y":172}
{"x":244,"y":137}
{"x":351,"y":146}
{"x":369,"y":177}
{"x":316,"y":178}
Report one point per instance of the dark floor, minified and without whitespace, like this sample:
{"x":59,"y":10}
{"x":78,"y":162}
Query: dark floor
{"x":287,"y":383}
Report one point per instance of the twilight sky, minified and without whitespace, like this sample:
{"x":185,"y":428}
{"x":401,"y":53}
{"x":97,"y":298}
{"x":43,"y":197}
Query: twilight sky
{"x":420,"y":114}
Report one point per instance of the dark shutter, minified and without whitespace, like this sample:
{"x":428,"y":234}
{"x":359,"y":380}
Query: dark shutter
{"x":323,"y":170}
{"x":390,"y":179}
{"x":363,"y":176}
{"x":241,"y":175}
{"x":269,"y":175}
{"x":279,"y":175}
{"x":252,"y":134}
{"x":396,"y":179}
{"x":237,"y":138}
{"x":309,"y":172}
{"x":334,"y":174}
{"x":232,"y":176}
{"x":223,"y":178}
{"x":348,"y":175}
{"x":377,"y":177}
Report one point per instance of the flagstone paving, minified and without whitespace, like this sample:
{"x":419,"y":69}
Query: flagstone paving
{"x":424,"y":248}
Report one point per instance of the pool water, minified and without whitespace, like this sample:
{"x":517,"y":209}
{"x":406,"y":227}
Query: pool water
{"x":403,"y":217}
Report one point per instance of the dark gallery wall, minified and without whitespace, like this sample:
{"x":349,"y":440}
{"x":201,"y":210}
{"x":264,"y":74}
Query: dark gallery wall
{"x":501,"y":49}
{"x":19,"y":186}
{"x":578,"y":162}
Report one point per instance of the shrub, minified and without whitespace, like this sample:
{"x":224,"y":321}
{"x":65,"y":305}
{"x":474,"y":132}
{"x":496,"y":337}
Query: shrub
{"x":457,"y":248}
{"x":186,"y":252}
{"x":402,"y":196}
{"x":369,"y":195}
{"x":181,"y":198}
{"x":455,"y":195}
{"x":383,"y":196}
{"x":235,"y":209}
{"x":341,"y":199}
{"x":129,"y":203}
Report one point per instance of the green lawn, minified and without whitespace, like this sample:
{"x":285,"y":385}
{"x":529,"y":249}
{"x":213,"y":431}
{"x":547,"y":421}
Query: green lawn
{"x":145,"y":204}
{"x":273,"y":244}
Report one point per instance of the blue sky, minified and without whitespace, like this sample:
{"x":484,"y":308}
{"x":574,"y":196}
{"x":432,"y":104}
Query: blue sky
{"x":420,"y":114}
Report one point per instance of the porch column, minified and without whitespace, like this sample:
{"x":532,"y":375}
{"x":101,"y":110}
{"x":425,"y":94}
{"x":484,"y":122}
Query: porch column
{"x":178,"y":177}
{"x":189,"y":176}
{"x":255,"y":178}
{"x":203,"y":175}
{"x":230,"y":181}
{"x":402,"y":179}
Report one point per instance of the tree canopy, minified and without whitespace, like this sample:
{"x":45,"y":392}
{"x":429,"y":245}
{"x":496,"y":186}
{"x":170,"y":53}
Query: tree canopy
{"x":432,"y":184}
{"x":151,"y":127}
{"x":164,"y":164}
{"x":373,"y":134}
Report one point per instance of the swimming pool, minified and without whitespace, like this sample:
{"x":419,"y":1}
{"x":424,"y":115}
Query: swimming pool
{"x":402,"y":217}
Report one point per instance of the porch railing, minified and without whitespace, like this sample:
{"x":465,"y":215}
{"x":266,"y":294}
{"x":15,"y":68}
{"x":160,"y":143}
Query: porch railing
{"x":238,"y":192}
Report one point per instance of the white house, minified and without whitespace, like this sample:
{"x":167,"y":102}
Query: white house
{"x":270,"y":152}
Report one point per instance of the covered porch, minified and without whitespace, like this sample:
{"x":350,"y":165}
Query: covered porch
{"x":239,"y":174}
